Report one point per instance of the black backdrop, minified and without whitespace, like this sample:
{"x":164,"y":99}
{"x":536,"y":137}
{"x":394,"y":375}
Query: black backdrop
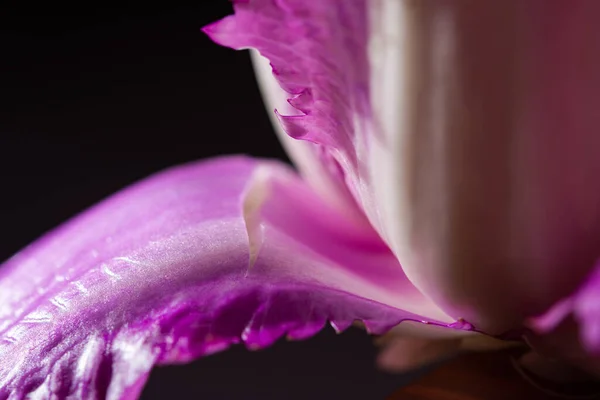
{"x":94,"y":99}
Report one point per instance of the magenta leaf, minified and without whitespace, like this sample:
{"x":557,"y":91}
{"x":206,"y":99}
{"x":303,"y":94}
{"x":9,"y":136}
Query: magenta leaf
{"x":181,"y":265}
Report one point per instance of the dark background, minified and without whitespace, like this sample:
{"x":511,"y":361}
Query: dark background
{"x":93,"y":99}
